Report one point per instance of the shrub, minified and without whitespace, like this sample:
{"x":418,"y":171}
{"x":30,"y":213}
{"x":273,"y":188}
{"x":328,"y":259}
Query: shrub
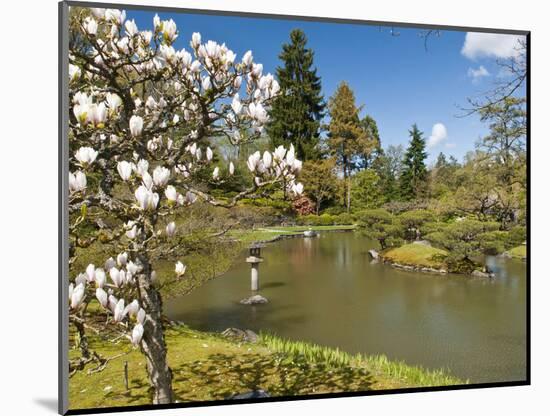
{"x":493,"y":242}
{"x":315,"y":220}
{"x":335,"y":210}
{"x":412,"y":222}
{"x":382,"y":226}
{"x":344,"y":219}
{"x":516,"y":236}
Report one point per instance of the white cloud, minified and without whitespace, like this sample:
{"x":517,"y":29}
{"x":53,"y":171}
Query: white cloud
{"x":439,"y":134}
{"x":450,"y":145}
{"x":493,"y":45}
{"x":477,"y":74}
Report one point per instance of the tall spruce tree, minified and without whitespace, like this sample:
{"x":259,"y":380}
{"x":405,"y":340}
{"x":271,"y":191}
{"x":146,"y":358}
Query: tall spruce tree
{"x":414,"y":176}
{"x":297,"y":112}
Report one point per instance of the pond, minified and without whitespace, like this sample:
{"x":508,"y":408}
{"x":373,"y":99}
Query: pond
{"x":326,"y":290}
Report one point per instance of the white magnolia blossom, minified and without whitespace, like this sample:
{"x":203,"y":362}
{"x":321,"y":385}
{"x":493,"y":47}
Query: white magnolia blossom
{"x":116,"y":16}
{"x":132,"y":309}
{"x":74,"y":72}
{"x":100,"y":278}
{"x":90,"y":272}
{"x":147,"y":180}
{"x":86,"y":155}
{"x":209,"y":154}
{"x":298,"y":188}
{"x":248,"y":58}
{"x":131,"y":231}
{"x":132,"y":268}
{"x":125,"y":170}
{"x":169,"y":29}
{"x":136,"y":125}
{"x":137,"y":334}
{"x":171,"y":193}
{"x":142,"y":167}
{"x":117,"y":276}
{"x":102,"y":297}
{"x":77,"y":295}
{"x":231,"y":168}
{"x":180,"y":269}
{"x":216,"y":173}
{"x":257,"y":112}
{"x":119,"y":311}
{"x":113,"y":101}
{"x":195,"y":40}
{"x":161,"y":175}
{"x":90,"y":26}
{"x":131,"y":28}
{"x":122,"y":259}
{"x":156,"y":23}
{"x":146,"y":199}
{"x":253,"y":160}
{"x":109,"y":263}
{"x":171,"y":229}
{"x":267,"y":159}
{"x":141,"y":316}
{"x":81,"y":278}
{"x":236,"y":104}
{"x":77,"y":181}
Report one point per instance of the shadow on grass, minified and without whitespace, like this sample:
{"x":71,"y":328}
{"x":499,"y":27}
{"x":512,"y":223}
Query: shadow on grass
{"x":223,"y":375}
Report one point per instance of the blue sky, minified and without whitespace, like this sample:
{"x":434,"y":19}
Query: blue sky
{"x":394,"y":77}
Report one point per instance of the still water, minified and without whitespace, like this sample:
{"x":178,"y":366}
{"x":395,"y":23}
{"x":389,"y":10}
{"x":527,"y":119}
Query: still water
{"x":326,"y":290}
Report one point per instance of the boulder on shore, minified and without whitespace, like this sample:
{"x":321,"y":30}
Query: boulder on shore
{"x":479,"y":273}
{"x":254,"y":300}
{"x":374,"y":254}
{"x":254,"y":394}
{"x":242,"y":335}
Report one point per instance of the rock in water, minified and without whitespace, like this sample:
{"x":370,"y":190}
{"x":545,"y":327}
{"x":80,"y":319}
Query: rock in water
{"x":374,"y":254}
{"x":254,"y":394}
{"x":479,"y":273}
{"x":254,"y":300}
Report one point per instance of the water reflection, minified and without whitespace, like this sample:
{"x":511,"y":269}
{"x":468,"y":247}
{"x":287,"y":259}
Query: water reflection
{"x":326,"y":290}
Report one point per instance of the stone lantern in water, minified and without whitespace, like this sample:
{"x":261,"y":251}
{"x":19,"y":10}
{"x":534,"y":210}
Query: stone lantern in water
{"x":254,"y":259}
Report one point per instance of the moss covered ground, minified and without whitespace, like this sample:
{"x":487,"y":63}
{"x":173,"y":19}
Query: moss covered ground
{"x":417,"y":255}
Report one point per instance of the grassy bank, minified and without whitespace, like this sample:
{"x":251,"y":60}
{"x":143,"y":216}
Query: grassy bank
{"x":519,"y":252}
{"x":208,"y":367}
{"x":270,"y":233}
{"x":416,"y":255}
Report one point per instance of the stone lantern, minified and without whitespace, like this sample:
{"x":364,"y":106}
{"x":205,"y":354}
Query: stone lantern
{"x":254,"y":259}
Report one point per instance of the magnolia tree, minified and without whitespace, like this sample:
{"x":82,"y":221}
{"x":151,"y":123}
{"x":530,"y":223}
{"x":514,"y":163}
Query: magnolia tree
{"x":143,"y":116}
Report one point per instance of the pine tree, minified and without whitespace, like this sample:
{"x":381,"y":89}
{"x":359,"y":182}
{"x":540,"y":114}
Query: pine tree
{"x":413,"y":179}
{"x":297,"y":112}
{"x":347,"y":137}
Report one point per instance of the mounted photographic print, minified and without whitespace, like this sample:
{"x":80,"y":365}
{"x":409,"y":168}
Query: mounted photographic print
{"x":262,"y":208}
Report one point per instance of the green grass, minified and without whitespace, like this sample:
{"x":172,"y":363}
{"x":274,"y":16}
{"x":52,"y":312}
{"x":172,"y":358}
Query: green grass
{"x":386,"y":371}
{"x":519,"y":252}
{"x":270,"y":233}
{"x":314,"y":228}
{"x":209,"y":367}
{"x":417,"y":255}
